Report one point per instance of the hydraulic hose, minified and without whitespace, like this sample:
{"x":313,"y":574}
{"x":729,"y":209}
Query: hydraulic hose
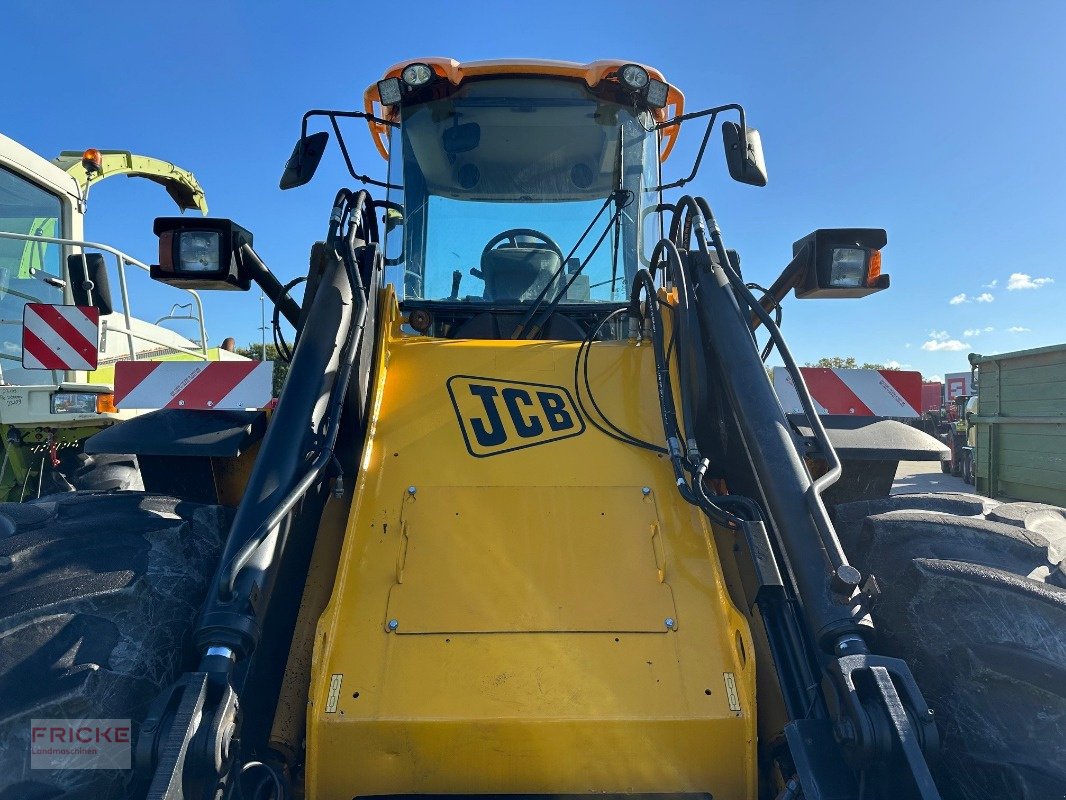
{"x":298,"y":446}
{"x":809,"y":543}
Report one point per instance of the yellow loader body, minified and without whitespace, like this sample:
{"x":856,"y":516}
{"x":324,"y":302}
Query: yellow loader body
{"x":524,"y":604}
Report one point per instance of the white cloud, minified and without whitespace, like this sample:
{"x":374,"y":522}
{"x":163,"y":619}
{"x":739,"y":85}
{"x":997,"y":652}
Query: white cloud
{"x":972,"y":332}
{"x":992,"y":285}
{"x":984,"y":297}
{"x":893,"y":364}
{"x":1018,"y":329}
{"x":908,"y":345}
{"x":958,"y":299}
{"x":939,"y":335}
{"x":1019,"y":280}
{"x":933,"y":378}
{"x":951,"y":345}
{"x":989,"y":329}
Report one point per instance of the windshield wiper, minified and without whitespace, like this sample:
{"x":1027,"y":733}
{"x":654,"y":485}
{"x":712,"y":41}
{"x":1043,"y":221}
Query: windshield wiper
{"x":622,"y":198}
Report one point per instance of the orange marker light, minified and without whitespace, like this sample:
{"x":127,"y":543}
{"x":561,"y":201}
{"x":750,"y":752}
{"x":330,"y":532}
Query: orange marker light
{"x":875,"y":268}
{"x":92,"y":160}
{"x":105,"y":404}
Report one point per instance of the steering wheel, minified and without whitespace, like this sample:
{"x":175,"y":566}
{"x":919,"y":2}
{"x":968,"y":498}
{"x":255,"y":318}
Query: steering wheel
{"x":511,"y":235}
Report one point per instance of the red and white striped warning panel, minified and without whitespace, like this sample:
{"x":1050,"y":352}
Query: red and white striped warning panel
{"x":857,"y":392}
{"x":60,"y":337}
{"x":193,"y":385}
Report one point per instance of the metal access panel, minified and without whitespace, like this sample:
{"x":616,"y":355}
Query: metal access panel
{"x":524,"y":605}
{"x":470,"y":563}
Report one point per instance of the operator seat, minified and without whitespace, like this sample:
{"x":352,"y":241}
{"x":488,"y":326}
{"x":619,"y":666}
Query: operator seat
{"x":514,"y":274}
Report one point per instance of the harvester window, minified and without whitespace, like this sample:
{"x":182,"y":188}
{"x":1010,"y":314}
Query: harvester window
{"x":25,"y":208}
{"x":503,"y":176}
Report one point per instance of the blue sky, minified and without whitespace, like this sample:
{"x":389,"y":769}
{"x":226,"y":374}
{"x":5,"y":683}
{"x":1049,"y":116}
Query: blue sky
{"x":942,"y":122}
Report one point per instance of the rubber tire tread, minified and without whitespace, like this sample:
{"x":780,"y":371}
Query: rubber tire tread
{"x":973,"y":599}
{"x":97,"y":595}
{"x":108,"y":472}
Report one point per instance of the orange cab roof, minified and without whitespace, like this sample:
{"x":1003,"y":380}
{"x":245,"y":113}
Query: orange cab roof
{"x":457,"y":72}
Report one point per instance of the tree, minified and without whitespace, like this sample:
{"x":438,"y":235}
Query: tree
{"x":847,"y":362}
{"x":834,"y":362}
{"x":281,"y":368}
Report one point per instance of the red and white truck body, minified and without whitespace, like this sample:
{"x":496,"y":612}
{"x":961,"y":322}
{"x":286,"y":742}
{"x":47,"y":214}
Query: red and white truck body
{"x":855,"y":392}
{"x":932,"y":396}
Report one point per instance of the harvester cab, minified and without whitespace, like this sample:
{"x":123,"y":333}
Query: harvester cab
{"x":47,"y":414}
{"x":528,"y":519}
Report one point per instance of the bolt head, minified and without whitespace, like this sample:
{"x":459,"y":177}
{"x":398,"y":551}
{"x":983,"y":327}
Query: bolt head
{"x":646,"y":491}
{"x":394,"y":624}
{"x":411,"y":489}
{"x":670,"y":622}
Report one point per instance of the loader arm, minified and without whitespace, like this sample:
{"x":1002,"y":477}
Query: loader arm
{"x":180,"y":184}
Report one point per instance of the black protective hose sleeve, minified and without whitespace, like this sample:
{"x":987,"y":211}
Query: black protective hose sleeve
{"x":683,"y":335}
{"x":809,"y":543}
{"x":643,"y":281}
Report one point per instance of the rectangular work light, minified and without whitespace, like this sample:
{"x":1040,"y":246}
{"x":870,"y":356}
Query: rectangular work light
{"x":201,"y":253}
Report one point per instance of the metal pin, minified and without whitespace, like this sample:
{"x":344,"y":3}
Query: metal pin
{"x":411,"y":490}
{"x":670,"y":623}
{"x":645,"y":491}
{"x":394,"y":624}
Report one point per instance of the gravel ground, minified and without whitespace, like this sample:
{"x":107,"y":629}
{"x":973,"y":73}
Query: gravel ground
{"x":925,"y":476}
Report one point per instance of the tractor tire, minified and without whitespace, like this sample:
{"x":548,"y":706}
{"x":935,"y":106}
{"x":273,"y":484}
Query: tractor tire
{"x":973,"y":598}
{"x":97,"y":595}
{"x":945,"y":467}
{"x":106,"y":473}
{"x":967,"y":467}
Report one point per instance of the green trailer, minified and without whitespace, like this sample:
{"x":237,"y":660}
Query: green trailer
{"x":1019,"y":425}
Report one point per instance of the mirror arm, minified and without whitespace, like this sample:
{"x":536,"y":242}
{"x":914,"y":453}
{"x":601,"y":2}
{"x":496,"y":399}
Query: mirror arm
{"x":332,"y":115}
{"x":699,"y":158}
{"x":713,"y":113}
{"x":703,"y":113}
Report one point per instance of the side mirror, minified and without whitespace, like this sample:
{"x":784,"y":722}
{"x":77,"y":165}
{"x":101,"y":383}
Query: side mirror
{"x":461,"y":138}
{"x":88,"y":281}
{"x":303,"y":162}
{"x":201,"y":254}
{"x":743,"y":154}
{"x":840,"y":262}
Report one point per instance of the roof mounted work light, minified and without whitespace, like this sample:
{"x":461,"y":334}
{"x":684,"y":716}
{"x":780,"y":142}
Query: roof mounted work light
{"x":417,"y":74}
{"x":634,"y":76}
{"x":413,"y":77}
{"x":637,"y":80}
{"x":390,"y":91}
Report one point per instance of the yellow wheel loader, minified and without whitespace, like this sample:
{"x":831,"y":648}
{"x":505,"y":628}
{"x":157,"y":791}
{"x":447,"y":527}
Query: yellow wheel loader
{"x":528,"y":519}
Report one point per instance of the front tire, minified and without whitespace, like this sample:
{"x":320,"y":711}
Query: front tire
{"x":967,"y":467}
{"x":974,"y":600}
{"x":97,"y":595}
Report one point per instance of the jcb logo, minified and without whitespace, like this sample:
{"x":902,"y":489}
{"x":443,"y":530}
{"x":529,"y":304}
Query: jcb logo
{"x":500,"y":416}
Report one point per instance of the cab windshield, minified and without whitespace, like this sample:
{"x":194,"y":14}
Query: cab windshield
{"x":27,"y":209}
{"x":501,"y":180}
